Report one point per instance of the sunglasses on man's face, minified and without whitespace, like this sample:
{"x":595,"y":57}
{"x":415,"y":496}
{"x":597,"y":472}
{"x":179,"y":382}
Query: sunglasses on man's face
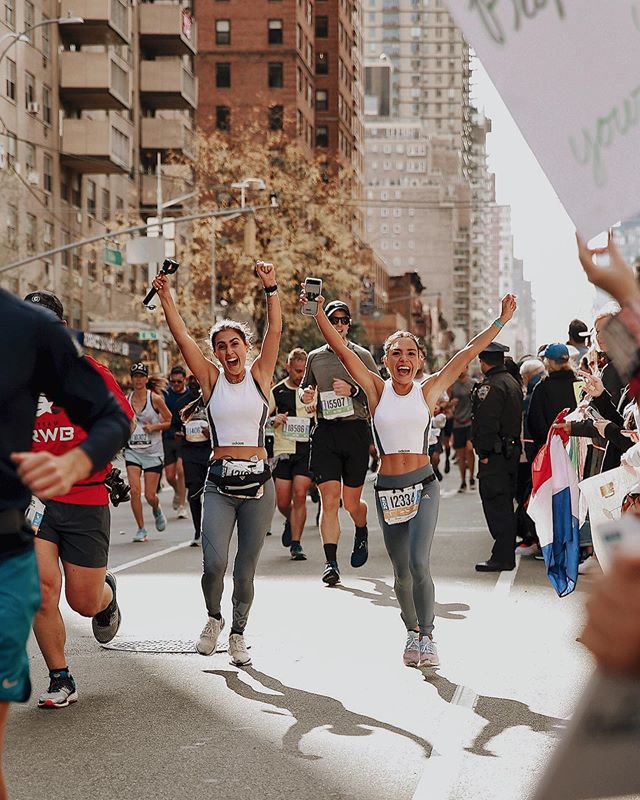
{"x":176,"y":380}
{"x":339,"y":320}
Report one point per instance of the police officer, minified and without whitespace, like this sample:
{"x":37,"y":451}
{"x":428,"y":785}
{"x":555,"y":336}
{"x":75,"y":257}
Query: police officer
{"x":495,"y":432}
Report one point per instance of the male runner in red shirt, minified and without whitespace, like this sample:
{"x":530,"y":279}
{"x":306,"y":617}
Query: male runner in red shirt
{"x":75,"y":529}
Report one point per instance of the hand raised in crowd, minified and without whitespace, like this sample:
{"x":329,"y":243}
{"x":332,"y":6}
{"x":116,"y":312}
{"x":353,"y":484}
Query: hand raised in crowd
{"x":508,"y":308}
{"x":280,"y":419}
{"x":617,"y":278}
{"x":308,"y":395}
{"x":161,"y":284}
{"x":341,"y":388}
{"x":267,"y":273}
{"x":592,"y":383}
{"x":612,"y":632}
{"x":303,"y":298}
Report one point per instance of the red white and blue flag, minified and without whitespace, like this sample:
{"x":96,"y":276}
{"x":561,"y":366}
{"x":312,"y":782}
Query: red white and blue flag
{"x":554,"y":507}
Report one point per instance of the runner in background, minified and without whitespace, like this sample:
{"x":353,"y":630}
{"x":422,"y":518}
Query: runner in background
{"x":173,"y":468}
{"x":460,"y":396}
{"x":292,"y":430}
{"x":144,"y":453}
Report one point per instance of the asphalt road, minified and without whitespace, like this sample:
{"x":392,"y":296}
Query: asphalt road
{"x":327,"y":709}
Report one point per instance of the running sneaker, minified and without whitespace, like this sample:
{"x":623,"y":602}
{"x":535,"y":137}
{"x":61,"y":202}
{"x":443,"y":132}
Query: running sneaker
{"x":472,"y":483}
{"x":411,"y":656}
{"x":447,"y":466}
{"x":437,"y":473}
{"x":195,"y":542}
{"x":463,"y":488}
{"x":525,"y":549}
{"x":141,"y":535}
{"x":206,"y":644}
{"x":106,"y":623}
{"x":428,"y":653}
{"x":61,"y":693}
{"x":183,"y":512}
{"x":238,"y":650}
{"x":286,"y":534}
{"x":331,"y":574}
{"x":160,"y":519}
{"x":360,"y":551}
{"x":297,"y":553}
{"x":314,"y":494}
{"x":174,"y":503}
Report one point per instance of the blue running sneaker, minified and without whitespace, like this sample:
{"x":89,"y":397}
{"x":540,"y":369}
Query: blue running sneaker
{"x":160,"y":519}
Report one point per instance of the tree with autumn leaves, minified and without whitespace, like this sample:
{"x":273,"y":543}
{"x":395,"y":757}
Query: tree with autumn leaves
{"x":309,"y":233}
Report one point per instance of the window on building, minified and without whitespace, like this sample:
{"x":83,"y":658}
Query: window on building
{"x":91,"y":198}
{"x":12,"y":225}
{"x":223,"y":75}
{"x":106,"y":205}
{"x":322,"y":136}
{"x":276,"y":118}
{"x":47,"y":235}
{"x":28,"y":20}
{"x":31,"y":233}
{"x":274,"y":31}
{"x":322,"y":27}
{"x":275,"y":74}
{"x":223,"y":118}
{"x":29,"y":89}
{"x":223,"y":31}
{"x":46,"y":39}
{"x":64,"y":255}
{"x":11,"y":79}
{"x":76,"y":190}
{"x":322,"y":100}
{"x":10,"y":13}
{"x":47,"y":173}
{"x":46,"y":105}
{"x":30,"y":157}
{"x":322,"y":63}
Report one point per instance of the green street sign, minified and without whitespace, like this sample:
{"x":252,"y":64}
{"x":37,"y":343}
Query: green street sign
{"x":147,"y":336}
{"x":112,"y":256}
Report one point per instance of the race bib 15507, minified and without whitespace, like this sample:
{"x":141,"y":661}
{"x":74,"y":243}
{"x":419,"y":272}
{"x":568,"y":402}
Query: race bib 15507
{"x":334,"y":406}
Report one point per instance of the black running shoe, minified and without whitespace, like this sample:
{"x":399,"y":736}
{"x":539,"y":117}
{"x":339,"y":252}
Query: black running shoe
{"x":314,"y":494}
{"x":106,"y":623}
{"x":463,"y":488}
{"x":286,"y":534}
{"x":360,"y":551}
{"x":472,"y":483}
{"x":447,"y":467}
{"x":297,"y":553}
{"x":331,"y":574}
{"x":437,"y":473}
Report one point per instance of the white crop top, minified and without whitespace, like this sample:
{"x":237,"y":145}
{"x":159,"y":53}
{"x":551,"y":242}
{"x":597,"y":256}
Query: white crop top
{"x":237,"y":413}
{"x":401,"y":422}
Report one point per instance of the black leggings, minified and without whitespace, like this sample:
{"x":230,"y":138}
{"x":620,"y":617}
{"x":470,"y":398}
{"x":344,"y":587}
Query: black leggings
{"x":195,"y":475}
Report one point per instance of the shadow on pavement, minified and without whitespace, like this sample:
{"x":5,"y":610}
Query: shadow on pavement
{"x":309,"y":710}
{"x":500,"y":714}
{"x":383,"y":595}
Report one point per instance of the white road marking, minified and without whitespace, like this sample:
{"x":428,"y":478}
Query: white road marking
{"x":150,"y":557}
{"x":442,"y":771}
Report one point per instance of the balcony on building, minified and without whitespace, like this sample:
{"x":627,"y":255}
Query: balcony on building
{"x":105,"y":22}
{"x":167,"y":83}
{"x":94,"y":80}
{"x":176,"y":180}
{"x":167,"y":134}
{"x":167,"y":29}
{"x":97,"y":146}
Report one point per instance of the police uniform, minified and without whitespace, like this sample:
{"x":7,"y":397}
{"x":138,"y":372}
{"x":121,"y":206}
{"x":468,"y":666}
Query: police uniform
{"x":496,"y":423}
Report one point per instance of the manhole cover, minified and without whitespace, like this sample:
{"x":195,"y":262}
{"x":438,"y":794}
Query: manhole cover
{"x":159,"y":646}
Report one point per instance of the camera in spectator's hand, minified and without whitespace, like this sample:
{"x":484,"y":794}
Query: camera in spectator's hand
{"x":119,"y":490}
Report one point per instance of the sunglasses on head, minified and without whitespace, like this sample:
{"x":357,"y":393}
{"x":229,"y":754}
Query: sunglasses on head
{"x":340,"y":320}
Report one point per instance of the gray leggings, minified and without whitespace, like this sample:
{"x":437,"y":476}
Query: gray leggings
{"x":409,"y":548}
{"x":219,"y":516}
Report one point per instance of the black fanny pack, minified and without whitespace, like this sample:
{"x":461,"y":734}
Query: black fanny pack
{"x":425,"y":482}
{"x":243,"y":485}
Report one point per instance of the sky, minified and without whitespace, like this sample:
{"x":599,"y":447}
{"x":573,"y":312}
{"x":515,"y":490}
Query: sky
{"x":544,"y":236}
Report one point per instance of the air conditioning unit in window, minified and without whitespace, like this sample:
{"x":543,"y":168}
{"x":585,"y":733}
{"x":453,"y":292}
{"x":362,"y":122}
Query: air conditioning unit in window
{"x":33,"y":107}
{"x":33,"y":177}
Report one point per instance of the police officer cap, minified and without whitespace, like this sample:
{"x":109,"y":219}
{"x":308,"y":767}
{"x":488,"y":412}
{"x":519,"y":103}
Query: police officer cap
{"x":46,"y":300}
{"x":496,"y":347}
{"x":337,"y":305}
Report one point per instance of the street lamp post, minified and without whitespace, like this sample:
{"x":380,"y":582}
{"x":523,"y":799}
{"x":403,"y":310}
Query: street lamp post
{"x":23,"y":36}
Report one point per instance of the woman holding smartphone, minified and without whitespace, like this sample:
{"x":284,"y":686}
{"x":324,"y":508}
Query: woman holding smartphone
{"x":407,"y":493}
{"x":239,"y":489}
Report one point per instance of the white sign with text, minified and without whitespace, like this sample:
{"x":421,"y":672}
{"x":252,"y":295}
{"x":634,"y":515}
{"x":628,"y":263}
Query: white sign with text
{"x":567,"y":72}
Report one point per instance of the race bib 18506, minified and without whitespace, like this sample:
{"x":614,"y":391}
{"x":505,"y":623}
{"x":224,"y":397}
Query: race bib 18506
{"x":334,"y":406}
{"x":297,"y":429}
{"x":400,"y":505}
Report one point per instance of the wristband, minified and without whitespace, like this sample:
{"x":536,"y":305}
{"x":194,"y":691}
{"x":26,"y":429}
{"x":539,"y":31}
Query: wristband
{"x":498,"y":323}
{"x":269,"y":290}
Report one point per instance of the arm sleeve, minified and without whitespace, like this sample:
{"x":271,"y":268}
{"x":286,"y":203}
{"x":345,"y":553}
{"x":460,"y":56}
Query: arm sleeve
{"x":612,"y":434}
{"x":605,"y":406}
{"x":70,"y":381}
{"x":584,"y":428}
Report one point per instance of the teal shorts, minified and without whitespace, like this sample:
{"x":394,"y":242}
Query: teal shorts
{"x":19,"y":601}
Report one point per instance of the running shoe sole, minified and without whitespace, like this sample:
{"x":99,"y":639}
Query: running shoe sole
{"x":71,"y":699}
{"x":300,"y":556}
{"x":105,"y":633}
{"x":331,"y":578}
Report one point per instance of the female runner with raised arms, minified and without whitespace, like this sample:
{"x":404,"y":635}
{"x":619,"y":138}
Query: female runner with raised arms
{"x":239,"y":488}
{"x":407,"y":494}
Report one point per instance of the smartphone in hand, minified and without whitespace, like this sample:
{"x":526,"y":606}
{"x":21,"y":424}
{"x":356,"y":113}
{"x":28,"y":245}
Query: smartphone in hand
{"x":312,"y":288}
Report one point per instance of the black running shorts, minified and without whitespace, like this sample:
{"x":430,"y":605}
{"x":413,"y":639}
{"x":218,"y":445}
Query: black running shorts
{"x":287,"y":467}
{"x":461,"y":436}
{"x":81,"y":532}
{"x":340,"y":452}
